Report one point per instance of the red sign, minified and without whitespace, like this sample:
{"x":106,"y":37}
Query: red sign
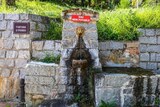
{"x":78,"y":18}
{"x":21,"y":28}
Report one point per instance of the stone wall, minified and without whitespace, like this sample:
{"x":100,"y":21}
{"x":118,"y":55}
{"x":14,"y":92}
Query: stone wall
{"x":15,"y":49}
{"x":149,"y":48}
{"x":42,"y":82}
{"x":119,"y":54}
{"x":41,"y":48}
{"x":127,"y":90}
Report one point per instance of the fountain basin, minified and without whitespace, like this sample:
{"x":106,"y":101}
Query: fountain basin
{"x":79,"y":63}
{"x":127,"y":89}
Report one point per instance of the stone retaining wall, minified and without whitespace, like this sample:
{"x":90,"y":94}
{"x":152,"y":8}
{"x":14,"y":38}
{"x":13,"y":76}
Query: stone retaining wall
{"x":149,"y":48}
{"x":41,"y":48}
{"x":119,"y":54}
{"x":127,"y":90}
{"x":15,"y":49}
{"x":42,"y":82}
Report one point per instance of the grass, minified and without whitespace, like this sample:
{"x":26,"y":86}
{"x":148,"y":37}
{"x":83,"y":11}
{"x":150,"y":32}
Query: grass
{"x":123,"y":24}
{"x":51,"y":59}
{"x":119,"y":24}
{"x":33,"y":7}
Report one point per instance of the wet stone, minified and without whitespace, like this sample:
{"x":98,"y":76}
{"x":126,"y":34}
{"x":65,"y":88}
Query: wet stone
{"x":53,"y":103}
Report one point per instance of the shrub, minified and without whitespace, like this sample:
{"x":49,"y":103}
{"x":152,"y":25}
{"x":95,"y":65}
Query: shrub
{"x":54,"y":31}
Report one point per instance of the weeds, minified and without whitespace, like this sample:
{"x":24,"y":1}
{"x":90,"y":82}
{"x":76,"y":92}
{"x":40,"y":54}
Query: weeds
{"x":54,"y":31}
{"x":51,"y":58}
{"x":107,"y":104}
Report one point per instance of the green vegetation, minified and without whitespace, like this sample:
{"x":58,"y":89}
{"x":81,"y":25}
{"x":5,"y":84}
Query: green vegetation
{"x":121,"y":23}
{"x":51,"y":59}
{"x":107,"y":104}
{"x":54,"y":31}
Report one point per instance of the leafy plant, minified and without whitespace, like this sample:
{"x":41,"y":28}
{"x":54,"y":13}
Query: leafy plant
{"x":107,"y":104}
{"x":51,"y":58}
{"x":54,"y":31}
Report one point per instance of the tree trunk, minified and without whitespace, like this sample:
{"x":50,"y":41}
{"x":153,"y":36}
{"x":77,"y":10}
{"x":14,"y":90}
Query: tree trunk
{"x":10,"y":2}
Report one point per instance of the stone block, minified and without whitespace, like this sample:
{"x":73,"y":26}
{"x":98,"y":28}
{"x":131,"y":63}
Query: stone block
{"x":153,"y":48}
{"x":158,"y":40}
{"x":157,"y":57}
{"x":8,"y":44}
{"x":97,"y":64}
{"x":148,"y":40}
{"x":150,"y":32}
{"x":152,"y":57}
{"x":12,"y":16}
{"x":108,"y":95}
{"x":6,"y":72}
{"x":142,"y":32}
{"x":11,"y":54}
{"x":1,"y":43}
{"x":36,"y":18}
{"x":20,"y":63}
{"x":37,"y":45}
{"x":151,"y":65}
{"x":143,"y":48}
{"x":10,"y":25}
{"x":2,"y":53}
{"x":41,"y":69}
{"x":35,"y":35}
{"x":33,"y":26}
{"x":68,"y":34}
{"x":62,"y":80}
{"x":116,"y":80}
{"x":99,"y":80}
{"x":93,"y":44}
{"x":41,"y":27}
{"x":40,"y":80}
{"x":24,"y":54}
{"x":38,"y":54}
{"x":62,"y":72}
{"x":129,"y":101}
{"x":66,"y":53}
{"x":1,"y":16}
{"x":103,"y":54}
{"x":22,"y":44}
{"x":133,"y":44}
{"x":154,"y":82}
{"x":15,"y":73}
{"x":143,"y":65}
{"x":62,"y":88}
{"x":2,"y":62}
{"x":24,"y":16}
{"x":69,"y":25}
{"x":94,"y":53}
{"x":48,"y":45}
{"x":69,"y":43}
{"x":3,"y":25}
{"x":144,"y":57}
{"x":90,"y":35}
{"x":38,"y":89}
{"x":103,"y":46}
{"x":58,"y":45}
{"x":0,"y":35}
{"x":7,"y":35}
{"x":25,"y":36}
{"x":9,"y":63}
{"x":116,"y":45}
{"x":157,"y":32}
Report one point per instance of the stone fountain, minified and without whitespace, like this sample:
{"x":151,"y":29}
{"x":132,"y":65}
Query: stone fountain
{"x":79,"y":51}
